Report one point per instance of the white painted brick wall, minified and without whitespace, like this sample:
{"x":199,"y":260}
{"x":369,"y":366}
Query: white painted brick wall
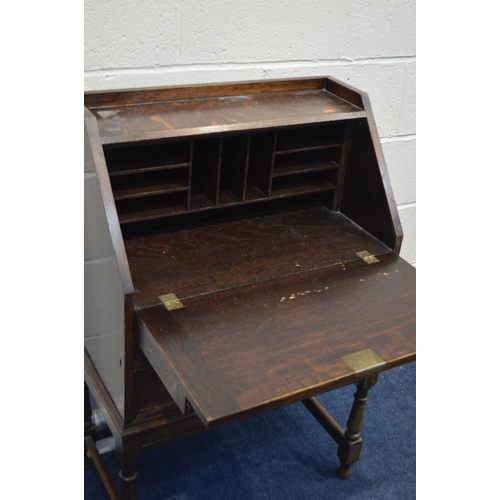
{"x":367,"y":43}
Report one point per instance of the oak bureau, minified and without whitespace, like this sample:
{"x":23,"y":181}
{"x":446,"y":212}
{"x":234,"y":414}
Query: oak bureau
{"x":241,"y":249}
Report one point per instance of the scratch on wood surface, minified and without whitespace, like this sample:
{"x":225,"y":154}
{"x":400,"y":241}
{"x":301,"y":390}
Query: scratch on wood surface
{"x":296,"y":295}
{"x":158,"y":119}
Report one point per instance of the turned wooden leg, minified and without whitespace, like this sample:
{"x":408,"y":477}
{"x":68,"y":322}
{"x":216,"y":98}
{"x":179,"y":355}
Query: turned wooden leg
{"x":88,"y":412}
{"x":350,"y":447}
{"x":129,"y":455}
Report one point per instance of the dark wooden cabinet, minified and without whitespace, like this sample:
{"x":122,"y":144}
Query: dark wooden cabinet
{"x":241,"y":248}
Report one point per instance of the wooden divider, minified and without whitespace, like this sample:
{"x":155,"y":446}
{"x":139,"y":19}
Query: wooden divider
{"x":166,"y":178}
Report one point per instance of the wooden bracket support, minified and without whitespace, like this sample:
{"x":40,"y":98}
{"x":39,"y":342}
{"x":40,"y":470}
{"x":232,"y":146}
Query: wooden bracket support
{"x":325,"y":419}
{"x":100,"y":469}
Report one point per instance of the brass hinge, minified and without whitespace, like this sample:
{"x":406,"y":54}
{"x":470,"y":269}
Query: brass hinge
{"x":364,"y":362}
{"x":171,"y":302}
{"x":367,"y":257}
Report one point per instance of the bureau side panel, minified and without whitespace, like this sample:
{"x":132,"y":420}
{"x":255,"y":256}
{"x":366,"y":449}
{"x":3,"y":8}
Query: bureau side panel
{"x":367,"y":197}
{"x":105,"y":297}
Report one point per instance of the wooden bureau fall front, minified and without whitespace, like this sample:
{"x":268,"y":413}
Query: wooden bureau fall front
{"x":241,"y":254}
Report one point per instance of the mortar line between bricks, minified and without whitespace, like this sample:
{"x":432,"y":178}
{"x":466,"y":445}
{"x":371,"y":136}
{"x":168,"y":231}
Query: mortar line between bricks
{"x":404,"y":206}
{"x":398,"y":138}
{"x":255,"y":65}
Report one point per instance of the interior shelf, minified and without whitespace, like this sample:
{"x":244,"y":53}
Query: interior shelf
{"x":164,"y":210}
{"x":150,"y":183}
{"x":134,"y":169}
{"x":304,"y":165}
{"x":298,"y":187}
{"x":147,"y":157}
{"x":307,"y":139}
{"x":150,"y":190}
{"x":152,"y":207}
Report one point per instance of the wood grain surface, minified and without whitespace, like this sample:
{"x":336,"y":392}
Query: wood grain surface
{"x":227,"y":253}
{"x":241,"y":351}
{"x":136,"y":122}
{"x":111,"y":98}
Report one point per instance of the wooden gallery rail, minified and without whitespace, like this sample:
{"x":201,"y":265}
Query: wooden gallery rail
{"x":241,"y":254}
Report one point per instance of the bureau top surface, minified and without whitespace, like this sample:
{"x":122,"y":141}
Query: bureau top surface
{"x":130,"y":116}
